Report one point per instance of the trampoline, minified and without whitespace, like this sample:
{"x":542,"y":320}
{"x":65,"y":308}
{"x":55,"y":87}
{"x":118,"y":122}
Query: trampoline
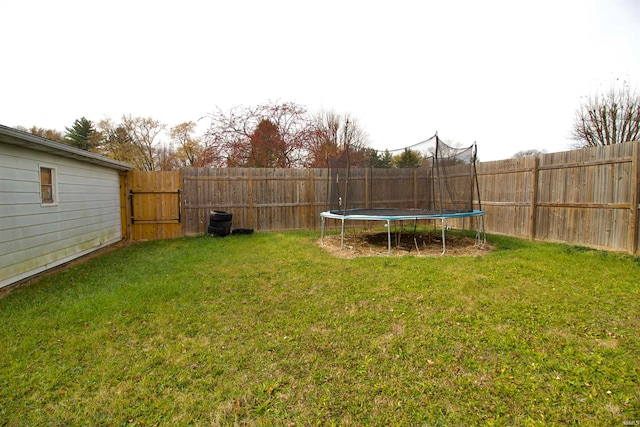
{"x":441,"y":189}
{"x":390,"y":215}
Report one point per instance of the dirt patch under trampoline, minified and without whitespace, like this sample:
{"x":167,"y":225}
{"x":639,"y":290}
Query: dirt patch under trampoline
{"x":362,"y":244}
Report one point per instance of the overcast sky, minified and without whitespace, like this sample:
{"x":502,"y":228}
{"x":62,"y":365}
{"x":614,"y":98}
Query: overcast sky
{"x":506,"y":74}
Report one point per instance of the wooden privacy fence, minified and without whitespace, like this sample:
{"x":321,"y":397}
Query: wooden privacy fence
{"x":585,"y":197}
{"x":258,"y":198}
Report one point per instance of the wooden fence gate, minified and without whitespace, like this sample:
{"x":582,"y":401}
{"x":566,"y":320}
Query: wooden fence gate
{"x":154,"y":205}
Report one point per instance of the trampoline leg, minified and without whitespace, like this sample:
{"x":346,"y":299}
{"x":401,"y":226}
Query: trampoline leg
{"x":389,"y":236}
{"x":342,"y":236}
{"x":444,"y":247}
{"x":322,"y":231}
{"x":484,"y":233}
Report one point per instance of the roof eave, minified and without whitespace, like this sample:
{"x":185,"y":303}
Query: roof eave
{"x":24,"y":139}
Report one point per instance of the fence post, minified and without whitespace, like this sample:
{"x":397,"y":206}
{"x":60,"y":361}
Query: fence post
{"x":415,"y":188}
{"x":311,"y":197}
{"x":250,"y":193}
{"x":533,"y":210}
{"x":367,"y":187}
{"x":635,"y":199}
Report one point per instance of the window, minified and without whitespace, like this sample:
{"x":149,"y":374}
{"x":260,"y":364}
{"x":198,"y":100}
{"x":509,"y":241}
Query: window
{"x":47,"y":185}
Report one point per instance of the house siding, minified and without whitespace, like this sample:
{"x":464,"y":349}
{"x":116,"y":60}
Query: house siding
{"x":35,"y":237}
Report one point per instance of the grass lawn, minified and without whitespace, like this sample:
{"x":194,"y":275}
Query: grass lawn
{"x":269,"y":329}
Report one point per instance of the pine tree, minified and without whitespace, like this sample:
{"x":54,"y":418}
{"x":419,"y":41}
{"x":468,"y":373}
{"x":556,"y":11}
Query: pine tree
{"x":82,"y":135}
{"x":384,"y":160}
{"x":408,"y":159}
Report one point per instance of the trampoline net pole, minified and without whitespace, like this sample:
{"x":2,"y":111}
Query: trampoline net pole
{"x":346,"y":181}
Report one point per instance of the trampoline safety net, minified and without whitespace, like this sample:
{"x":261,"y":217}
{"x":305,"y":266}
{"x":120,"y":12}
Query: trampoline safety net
{"x":444,"y":180}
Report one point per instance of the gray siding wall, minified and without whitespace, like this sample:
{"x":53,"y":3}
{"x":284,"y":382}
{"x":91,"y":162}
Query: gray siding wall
{"x":35,"y":237}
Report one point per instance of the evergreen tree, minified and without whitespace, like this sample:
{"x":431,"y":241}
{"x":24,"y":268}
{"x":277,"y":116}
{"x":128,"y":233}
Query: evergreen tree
{"x":384,"y":160}
{"x":82,"y":135}
{"x":408,"y":159}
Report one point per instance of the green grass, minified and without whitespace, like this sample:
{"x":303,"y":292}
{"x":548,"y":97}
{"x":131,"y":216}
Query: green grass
{"x":269,"y":329}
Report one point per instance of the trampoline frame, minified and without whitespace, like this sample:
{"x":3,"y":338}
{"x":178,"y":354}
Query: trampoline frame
{"x":363,"y":214}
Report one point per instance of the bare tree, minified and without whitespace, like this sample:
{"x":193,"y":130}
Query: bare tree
{"x":332,"y":134}
{"x":528,"y":153}
{"x":324,"y":141}
{"x":52,"y":134}
{"x":115,"y":141}
{"x":608,"y":118}
{"x":229,"y":136}
{"x":189,"y":151}
{"x":143,"y":133}
{"x":293,"y":123}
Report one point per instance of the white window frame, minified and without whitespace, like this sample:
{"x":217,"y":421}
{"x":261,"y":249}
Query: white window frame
{"x":54,"y":185}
